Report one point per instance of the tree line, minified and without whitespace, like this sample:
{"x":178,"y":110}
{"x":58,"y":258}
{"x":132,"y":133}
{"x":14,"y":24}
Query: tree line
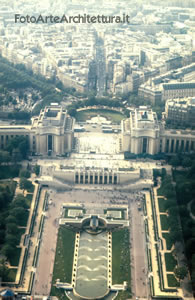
{"x":180,"y":194}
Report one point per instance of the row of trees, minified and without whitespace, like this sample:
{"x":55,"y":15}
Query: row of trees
{"x":167,"y":189}
{"x":11,"y":234}
{"x":14,"y":213}
{"x":16,"y":149}
{"x":179,"y":197}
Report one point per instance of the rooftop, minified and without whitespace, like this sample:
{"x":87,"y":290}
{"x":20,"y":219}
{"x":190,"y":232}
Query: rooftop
{"x":143,"y":117}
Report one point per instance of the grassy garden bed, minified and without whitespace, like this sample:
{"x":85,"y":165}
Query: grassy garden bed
{"x":63,"y":260}
{"x":31,"y":189}
{"x":121,"y":259}
{"x":164,"y":220}
{"x":172,"y":281}
{"x":170,"y":262}
{"x":14,"y":259}
{"x":169,"y":243}
{"x":29,"y":199}
{"x":12,"y":275}
{"x":161,"y":204}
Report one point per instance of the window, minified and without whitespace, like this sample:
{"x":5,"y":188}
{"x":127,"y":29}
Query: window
{"x":167,"y":146}
{"x":172,"y":145}
{"x":145,"y":142}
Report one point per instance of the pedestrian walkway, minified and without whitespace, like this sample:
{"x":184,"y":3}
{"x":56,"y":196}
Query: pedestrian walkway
{"x":28,"y":243}
{"x":158,"y":274}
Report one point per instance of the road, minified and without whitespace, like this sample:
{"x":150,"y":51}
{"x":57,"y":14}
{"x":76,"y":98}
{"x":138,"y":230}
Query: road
{"x":101,"y":67}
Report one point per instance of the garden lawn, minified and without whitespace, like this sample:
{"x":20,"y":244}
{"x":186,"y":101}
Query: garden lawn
{"x":14,"y":260}
{"x":169,"y":243}
{"x":12,"y":275}
{"x":164,"y":220}
{"x":161,"y":204}
{"x":28,"y":199}
{"x":121,"y":259}
{"x":170,"y":262}
{"x":114,"y":116}
{"x":63,"y":260}
{"x":172,"y":281}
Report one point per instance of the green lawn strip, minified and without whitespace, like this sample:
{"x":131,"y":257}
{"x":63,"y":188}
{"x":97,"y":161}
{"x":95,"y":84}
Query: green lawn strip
{"x":172,"y":281}
{"x":14,"y":259}
{"x":114,"y":116}
{"x":121,"y":258}
{"x":169,"y":243}
{"x":12,"y":275}
{"x":123,"y":295}
{"x":170,"y":262}
{"x":7,"y":172}
{"x":164,"y":222}
{"x":63,"y":260}
{"x":145,"y":206}
{"x":45,"y":203}
{"x":29,"y":199}
{"x":151,"y":280}
{"x":156,"y":235}
{"x":161,"y":204}
{"x":31,"y":281}
{"x":149,"y":259}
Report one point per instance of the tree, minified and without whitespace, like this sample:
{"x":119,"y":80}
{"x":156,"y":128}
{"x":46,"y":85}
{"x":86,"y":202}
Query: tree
{"x":4,"y":157}
{"x":16,"y":155}
{"x":11,"y":228}
{"x":7,"y":250}
{"x":175,"y":162}
{"x":11,"y":239}
{"x":18,"y":212}
{"x":25,"y":184}
{"x":187,"y":162}
{"x":36,"y":169}
{"x":24,"y":173}
{"x":20,"y":201}
{"x":11,"y":219}
{"x":3,"y":270}
{"x":181,"y":272}
{"x":2,"y":236}
{"x":18,"y":146}
{"x":175,"y":235}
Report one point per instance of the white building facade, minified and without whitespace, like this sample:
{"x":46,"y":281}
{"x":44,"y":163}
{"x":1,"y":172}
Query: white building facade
{"x":142,"y":133}
{"x":51,"y":133}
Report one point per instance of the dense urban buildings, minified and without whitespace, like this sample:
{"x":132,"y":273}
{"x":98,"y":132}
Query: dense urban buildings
{"x":180,"y":112}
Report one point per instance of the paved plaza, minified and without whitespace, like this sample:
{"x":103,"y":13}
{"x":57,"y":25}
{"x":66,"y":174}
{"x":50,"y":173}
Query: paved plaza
{"x":94,"y":202}
{"x":98,"y":143}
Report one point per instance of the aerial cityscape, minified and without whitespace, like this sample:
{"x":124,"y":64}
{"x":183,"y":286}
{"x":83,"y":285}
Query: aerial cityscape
{"x":97,"y":149}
